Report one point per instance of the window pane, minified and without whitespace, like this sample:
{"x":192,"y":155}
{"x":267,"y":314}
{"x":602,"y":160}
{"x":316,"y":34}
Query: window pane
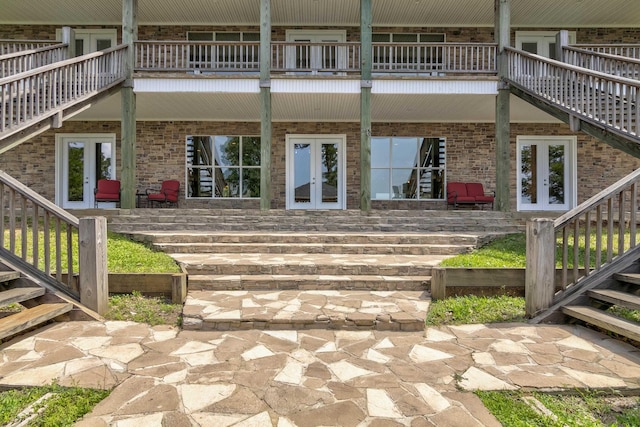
{"x":227,"y":151}
{"x":380,"y":188}
{"x":380,"y":152}
{"x":199,"y":151}
{"x":431,"y":184}
{"x":528,"y":174}
{"x":102,"y":44}
{"x":552,"y":51}
{"x":251,"y":37}
{"x":200,"y":182}
{"x":200,"y":37}
{"x":531,"y":47}
{"x":251,"y":182}
{"x":380,"y":38}
{"x":228,"y":37}
{"x":556,"y":174}
{"x":403,"y":183}
{"x":227,"y":182}
{"x":250,"y":151}
{"x":404,"y":152}
{"x":103,"y":161}
{"x":405,"y":38}
{"x":432,"y":38}
{"x":75,"y":167}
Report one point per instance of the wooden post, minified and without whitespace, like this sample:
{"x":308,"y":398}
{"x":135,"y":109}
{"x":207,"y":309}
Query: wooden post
{"x":438,"y":283}
{"x":539,"y":282}
{"x":69,"y":38}
{"x":366,"y":17}
{"x":94,"y":281}
{"x":178,"y":288}
{"x":562,"y":41}
{"x":128,"y":126}
{"x":265,"y":104}
{"x":503,"y":128}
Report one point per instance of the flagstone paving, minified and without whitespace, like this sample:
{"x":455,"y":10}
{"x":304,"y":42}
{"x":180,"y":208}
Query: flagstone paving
{"x":162,"y":376}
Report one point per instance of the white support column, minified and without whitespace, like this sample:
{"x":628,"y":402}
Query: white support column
{"x":366,"y":17}
{"x":265,"y":104}
{"x":69,"y":38}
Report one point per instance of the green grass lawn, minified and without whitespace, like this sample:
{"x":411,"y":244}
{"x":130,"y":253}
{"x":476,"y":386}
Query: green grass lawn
{"x":123,"y":254}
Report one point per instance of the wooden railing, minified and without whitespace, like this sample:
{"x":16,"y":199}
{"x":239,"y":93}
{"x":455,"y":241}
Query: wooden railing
{"x":12,"y":46}
{"x":19,"y":62}
{"x":303,"y":57}
{"x":25,"y":215}
{"x":434,"y":58}
{"x":602,"y":62}
{"x":47,"y":90}
{"x":55,"y":243}
{"x":605,"y":100}
{"x":583,"y":242}
{"x":628,"y":50}
{"x":310,"y":58}
{"x":201,"y":56}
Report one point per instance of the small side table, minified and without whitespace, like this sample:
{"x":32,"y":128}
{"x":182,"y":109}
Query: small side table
{"x":141,"y":199}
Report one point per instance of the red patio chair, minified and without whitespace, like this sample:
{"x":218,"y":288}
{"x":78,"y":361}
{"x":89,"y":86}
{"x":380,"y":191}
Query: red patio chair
{"x":168,"y":193}
{"x":107,"y":190}
{"x":475,"y":189}
{"x":457,"y":194}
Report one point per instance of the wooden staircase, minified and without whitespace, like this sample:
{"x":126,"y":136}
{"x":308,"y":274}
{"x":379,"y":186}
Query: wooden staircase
{"x":622,"y":290}
{"x":38,"y":305}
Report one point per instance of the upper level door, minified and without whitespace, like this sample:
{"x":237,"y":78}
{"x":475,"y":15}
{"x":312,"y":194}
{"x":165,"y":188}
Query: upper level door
{"x":81,"y":160}
{"x":311,"y":54}
{"x":92,"y":40}
{"x":315,"y":172}
{"x":546,"y":173}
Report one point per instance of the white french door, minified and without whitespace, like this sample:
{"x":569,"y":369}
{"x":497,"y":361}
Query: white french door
{"x":546,"y":173}
{"x":81,"y":160}
{"x":315,"y":172}
{"x":316,"y":58}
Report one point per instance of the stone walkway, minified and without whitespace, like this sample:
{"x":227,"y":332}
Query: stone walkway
{"x":163,"y":377}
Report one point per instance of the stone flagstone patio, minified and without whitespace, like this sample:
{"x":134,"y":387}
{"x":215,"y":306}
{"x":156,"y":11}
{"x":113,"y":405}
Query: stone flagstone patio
{"x":163,"y":377}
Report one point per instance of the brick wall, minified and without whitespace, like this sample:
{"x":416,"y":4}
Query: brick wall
{"x":470,"y":156}
{"x":453,"y":34}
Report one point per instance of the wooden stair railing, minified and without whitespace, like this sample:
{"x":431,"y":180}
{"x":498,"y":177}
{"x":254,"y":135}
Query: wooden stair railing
{"x":602,"y":62}
{"x":589,"y":243}
{"x":36,"y":100}
{"x":602,"y":101}
{"x":11,"y":46}
{"x":67,"y":254}
{"x":627,"y":50}
{"x":26,"y":60}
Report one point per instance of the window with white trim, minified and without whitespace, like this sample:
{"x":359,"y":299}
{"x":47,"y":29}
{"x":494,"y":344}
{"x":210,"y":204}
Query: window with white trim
{"x":407,"y":168}
{"x":541,"y":43}
{"x":223,"y":166}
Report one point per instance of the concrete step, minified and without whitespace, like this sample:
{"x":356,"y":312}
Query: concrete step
{"x":308,"y":282}
{"x":308,"y":264}
{"x":310,"y":238}
{"x":312,"y":248}
{"x":286,"y":310}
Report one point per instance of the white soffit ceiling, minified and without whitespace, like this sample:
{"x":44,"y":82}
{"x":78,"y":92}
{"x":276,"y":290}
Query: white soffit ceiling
{"x":401,"y":13}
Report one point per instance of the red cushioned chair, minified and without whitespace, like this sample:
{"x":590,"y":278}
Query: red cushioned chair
{"x":168,"y":193}
{"x":476,"y":190}
{"x":457,"y":194}
{"x":107,"y":190}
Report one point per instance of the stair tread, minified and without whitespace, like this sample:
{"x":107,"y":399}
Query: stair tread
{"x":604,"y":320}
{"x":302,"y":277}
{"x":6,"y":276}
{"x":311,"y":259}
{"x":31,"y":317}
{"x":390,"y":310}
{"x":627,"y":278}
{"x":14,"y":295}
{"x":613,"y":296}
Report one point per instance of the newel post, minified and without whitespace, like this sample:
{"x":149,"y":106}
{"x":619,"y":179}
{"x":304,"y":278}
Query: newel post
{"x":94,"y":281}
{"x":69,"y":38}
{"x":539,"y":285}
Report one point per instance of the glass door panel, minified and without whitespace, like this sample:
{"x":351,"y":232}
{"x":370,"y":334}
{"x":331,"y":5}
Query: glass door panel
{"x":315,"y":177}
{"x":545,"y":175}
{"x":83,"y":162}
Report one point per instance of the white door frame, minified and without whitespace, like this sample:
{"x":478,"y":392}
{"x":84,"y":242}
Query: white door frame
{"x":570,"y":171}
{"x":316,"y":36}
{"x":342,"y":172}
{"x":61,"y":170}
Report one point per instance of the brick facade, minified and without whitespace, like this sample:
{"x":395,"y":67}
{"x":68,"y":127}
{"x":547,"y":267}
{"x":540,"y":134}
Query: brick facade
{"x":470,"y":156}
